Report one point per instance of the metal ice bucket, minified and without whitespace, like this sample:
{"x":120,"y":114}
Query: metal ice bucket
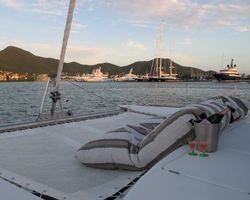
{"x":208,"y":133}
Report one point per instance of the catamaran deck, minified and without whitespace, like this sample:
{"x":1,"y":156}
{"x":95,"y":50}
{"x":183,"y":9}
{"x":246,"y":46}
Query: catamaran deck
{"x":42,"y":159}
{"x":222,"y":175}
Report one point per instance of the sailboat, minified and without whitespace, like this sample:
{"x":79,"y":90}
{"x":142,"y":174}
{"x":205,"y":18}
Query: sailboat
{"x":170,"y":75}
{"x":161,"y":75}
{"x":84,"y":157}
{"x":158,"y":71}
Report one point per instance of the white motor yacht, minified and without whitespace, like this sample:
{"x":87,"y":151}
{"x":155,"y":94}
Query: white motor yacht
{"x":128,"y":77}
{"x":231,"y":73}
{"x":95,"y":76}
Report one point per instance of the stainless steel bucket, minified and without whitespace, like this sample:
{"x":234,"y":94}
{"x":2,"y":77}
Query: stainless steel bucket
{"x":207,"y":133}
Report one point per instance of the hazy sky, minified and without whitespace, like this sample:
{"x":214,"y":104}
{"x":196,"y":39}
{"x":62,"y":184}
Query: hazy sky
{"x":197,"y":32}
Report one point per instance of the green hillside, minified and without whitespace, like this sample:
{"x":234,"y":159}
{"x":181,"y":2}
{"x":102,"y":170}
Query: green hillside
{"x":18,"y":60}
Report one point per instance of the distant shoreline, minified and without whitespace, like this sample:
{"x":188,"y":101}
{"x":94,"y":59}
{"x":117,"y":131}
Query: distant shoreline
{"x":9,"y":81}
{"x":180,"y":81}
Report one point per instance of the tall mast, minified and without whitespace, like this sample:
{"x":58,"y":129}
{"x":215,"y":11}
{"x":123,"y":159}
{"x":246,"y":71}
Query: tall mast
{"x":160,"y":48}
{"x":171,"y":68}
{"x":157,"y":58}
{"x":56,"y":95}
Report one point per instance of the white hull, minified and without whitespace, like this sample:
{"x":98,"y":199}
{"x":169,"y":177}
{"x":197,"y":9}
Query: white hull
{"x":94,"y":79}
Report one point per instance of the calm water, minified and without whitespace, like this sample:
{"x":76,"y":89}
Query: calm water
{"x":20,"y":101}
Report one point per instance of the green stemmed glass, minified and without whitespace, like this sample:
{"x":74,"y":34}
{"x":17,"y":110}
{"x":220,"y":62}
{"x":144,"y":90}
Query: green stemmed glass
{"x":192,"y":145}
{"x":204,"y":148}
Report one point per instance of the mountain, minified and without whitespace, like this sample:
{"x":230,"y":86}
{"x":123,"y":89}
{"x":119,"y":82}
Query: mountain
{"x":18,"y":60}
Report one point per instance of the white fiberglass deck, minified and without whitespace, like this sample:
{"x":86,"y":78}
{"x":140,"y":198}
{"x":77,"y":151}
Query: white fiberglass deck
{"x":222,"y":175}
{"x":42,"y":159}
{"x":10,"y":191}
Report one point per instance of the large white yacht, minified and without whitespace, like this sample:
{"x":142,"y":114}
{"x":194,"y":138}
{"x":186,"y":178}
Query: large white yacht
{"x":134,"y":152}
{"x":95,"y":76}
{"x":229,"y":74}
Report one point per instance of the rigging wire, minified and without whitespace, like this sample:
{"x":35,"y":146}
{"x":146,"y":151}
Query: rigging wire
{"x":82,"y":88}
{"x":94,"y":94}
{"x":90,"y":92}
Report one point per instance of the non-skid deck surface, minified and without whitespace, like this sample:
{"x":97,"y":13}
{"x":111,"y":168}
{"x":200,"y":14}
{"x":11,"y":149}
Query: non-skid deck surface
{"x":11,"y":192}
{"x":222,"y":175}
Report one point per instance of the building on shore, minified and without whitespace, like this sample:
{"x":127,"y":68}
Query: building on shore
{"x":3,"y":76}
{"x":42,"y":77}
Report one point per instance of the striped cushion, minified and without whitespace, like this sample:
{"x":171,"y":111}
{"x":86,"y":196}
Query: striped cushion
{"x":112,"y":150}
{"x":240,"y":108}
{"x":166,"y":137}
{"x":109,"y":151}
{"x":133,"y":147}
{"x":140,"y":146}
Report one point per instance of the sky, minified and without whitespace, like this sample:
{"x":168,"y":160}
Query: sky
{"x":200,"y":33}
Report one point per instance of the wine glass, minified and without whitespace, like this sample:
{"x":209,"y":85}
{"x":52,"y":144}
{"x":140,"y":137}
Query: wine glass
{"x":192,"y":146}
{"x":204,"y":148}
